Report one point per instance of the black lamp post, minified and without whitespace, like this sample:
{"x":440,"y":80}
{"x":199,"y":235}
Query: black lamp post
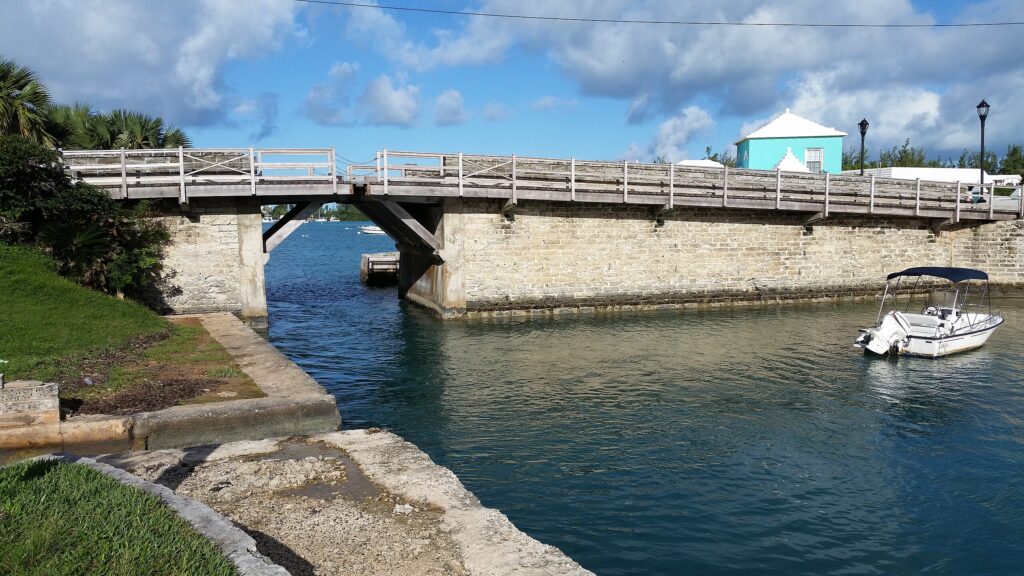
{"x":982,"y":114}
{"x":863,"y":131}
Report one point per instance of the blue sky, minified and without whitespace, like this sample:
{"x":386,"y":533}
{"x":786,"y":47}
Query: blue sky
{"x":284,"y":73}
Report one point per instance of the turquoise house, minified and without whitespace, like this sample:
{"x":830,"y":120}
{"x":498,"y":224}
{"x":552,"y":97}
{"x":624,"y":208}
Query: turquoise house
{"x":818,"y":148}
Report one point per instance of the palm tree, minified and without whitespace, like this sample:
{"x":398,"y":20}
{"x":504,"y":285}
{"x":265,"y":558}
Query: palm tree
{"x":23,"y":103}
{"x":132,"y":130}
{"x":77,"y":127}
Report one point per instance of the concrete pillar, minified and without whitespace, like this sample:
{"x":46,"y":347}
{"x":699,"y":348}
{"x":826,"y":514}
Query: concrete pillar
{"x":437,"y":287}
{"x":252,"y":287}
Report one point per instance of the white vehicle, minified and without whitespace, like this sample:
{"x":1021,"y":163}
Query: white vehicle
{"x":947,"y":324}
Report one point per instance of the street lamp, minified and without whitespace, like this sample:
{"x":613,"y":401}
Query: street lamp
{"x":982,"y":114}
{"x":863,"y":131}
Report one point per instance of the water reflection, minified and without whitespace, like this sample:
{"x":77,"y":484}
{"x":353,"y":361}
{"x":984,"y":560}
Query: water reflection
{"x":733,"y":440}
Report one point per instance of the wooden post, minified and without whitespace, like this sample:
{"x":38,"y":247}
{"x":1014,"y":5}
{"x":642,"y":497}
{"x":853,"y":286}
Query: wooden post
{"x":778,"y":189}
{"x":871,"y":200}
{"x":182,"y":198}
{"x":671,"y":185}
{"x":385,"y":171}
{"x":460,"y":174}
{"x":515,"y":192}
{"x":625,"y":181}
{"x":956,"y":211}
{"x":917,"y":199}
{"x":572,"y":180}
{"x":828,"y":184}
{"x":124,"y":175}
{"x":334,"y":169}
{"x":725,"y":186}
{"x":252,"y":171}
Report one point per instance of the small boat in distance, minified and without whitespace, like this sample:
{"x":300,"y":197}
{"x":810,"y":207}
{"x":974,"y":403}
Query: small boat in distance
{"x":947,"y":324}
{"x":370,"y":230}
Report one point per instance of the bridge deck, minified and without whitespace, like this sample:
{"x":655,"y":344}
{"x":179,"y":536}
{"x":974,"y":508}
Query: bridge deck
{"x":280,"y":174}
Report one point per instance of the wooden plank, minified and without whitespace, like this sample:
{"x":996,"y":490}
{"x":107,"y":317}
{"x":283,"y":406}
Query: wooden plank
{"x":288,"y":223}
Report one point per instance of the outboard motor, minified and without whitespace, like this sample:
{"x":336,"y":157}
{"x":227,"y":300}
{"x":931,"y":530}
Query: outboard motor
{"x":889,"y":336}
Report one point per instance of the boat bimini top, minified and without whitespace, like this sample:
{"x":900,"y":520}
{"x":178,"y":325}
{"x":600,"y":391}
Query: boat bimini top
{"x":954,"y":275}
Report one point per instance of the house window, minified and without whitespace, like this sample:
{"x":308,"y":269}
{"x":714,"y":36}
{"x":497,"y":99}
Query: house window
{"x":814,"y":158}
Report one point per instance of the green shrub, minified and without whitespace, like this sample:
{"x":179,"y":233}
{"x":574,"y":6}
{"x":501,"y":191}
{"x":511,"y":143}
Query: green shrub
{"x":100,"y":242}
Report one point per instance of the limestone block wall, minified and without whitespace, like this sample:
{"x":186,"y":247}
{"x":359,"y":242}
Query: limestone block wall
{"x":553,"y":255}
{"x":215,"y":260}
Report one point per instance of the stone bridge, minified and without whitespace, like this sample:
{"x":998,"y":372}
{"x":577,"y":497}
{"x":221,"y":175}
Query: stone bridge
{"x":491,"y":234}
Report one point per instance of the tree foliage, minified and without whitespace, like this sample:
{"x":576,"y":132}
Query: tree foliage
{"x":94,"y":239}
{"x":79,"y":127}
{"x":26,"y":110}
{"x":1013,"y":161}
{"x":24,"y":104}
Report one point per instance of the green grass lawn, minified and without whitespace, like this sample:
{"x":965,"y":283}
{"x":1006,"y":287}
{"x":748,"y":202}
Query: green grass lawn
{"x":61,"y":519}
{"x":44,"y":317}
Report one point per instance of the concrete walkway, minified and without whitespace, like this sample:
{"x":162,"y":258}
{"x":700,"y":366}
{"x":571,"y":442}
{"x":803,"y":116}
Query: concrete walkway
{"x":358,"y":502}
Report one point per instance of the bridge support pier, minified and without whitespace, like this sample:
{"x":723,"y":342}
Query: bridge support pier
{"x":433,"y":279}
{"x":215,"y":260}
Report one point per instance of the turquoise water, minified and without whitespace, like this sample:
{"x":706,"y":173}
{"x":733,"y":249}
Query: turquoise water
{"x":747,"y":440}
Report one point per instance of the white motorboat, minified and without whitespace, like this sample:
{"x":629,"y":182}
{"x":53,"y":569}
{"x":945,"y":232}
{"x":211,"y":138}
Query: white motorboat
{"x":370,"y":230}
{"x":948,"y":323}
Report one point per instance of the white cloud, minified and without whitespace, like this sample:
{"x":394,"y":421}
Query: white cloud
{"x":449,"y":108}
{"x":672,"y":136}
{"x":495,"y":111}
{"x":478,"y":43}
{"x":164,"y":59}
{"x":552,"y":102}
{"x":745,"y":71}
{"x":675,"y":133}
{"x":327,"y":103}
{"x":385,"y":103}
{"x":262,"y":109}
{"x":342,"y":71}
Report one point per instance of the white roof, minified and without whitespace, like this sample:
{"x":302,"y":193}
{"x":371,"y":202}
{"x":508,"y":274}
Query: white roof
{"x":705,"y":163}
{"x":963,"y":175}
{"x":789,"y":125}
{"x":789,"y":163}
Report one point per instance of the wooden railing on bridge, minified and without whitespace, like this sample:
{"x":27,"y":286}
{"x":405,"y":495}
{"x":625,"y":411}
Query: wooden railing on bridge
{"x":279,"y":174}
{"x":512,"y":178}
{"x":185,"y":172}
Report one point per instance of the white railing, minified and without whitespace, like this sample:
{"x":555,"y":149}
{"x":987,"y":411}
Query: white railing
{"x":122,"y":170}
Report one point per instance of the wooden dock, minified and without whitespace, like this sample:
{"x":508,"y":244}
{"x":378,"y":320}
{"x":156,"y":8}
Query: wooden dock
{"x":379,"y":269}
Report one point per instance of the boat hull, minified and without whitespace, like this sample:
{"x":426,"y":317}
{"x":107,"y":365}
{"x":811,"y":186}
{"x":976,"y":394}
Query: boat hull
{"x":931,"y":346}
{"x":952,"y":344}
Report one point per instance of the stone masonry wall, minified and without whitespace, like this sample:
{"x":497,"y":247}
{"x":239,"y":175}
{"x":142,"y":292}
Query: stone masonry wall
{"x":202,"y":265}
{"x":553,"y":255}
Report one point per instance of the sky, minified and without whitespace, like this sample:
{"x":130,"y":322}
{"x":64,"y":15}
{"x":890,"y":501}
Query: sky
{"x":287,"y":73}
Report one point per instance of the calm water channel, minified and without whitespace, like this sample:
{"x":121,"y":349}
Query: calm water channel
{"x":709,"y":442}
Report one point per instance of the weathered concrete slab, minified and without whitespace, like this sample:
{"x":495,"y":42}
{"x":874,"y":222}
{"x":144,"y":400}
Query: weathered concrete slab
{"x":487,"y":539}
{"x":356,"y":502}
{"x":28,"y":403}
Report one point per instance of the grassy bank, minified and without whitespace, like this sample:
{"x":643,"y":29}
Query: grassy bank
{"x":109,"y":356}
{"x":46,"y":317}
{"x":62,"y":519}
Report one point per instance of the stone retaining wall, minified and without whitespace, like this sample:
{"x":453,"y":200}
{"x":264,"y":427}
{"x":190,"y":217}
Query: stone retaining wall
{"x":551,"y":255}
